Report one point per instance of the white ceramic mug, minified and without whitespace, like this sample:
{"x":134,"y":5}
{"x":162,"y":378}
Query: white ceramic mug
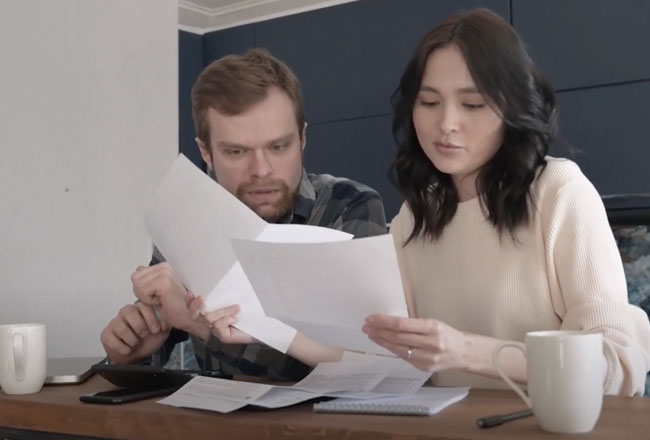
{"x":23,"y":358}
{"x":565,"y":378}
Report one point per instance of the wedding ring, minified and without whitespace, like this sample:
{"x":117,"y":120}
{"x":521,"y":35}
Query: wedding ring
{"x":409,"y":353}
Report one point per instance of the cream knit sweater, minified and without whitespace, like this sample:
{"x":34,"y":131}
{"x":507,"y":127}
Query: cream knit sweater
{"x":565,"y":272}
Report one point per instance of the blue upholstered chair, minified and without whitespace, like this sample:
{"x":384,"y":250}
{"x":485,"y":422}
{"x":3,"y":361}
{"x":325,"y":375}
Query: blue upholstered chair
{"x":629,"y":217}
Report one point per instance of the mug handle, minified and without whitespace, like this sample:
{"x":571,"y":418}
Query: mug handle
{"x":19,"y":356}
{"x":504,"y":376}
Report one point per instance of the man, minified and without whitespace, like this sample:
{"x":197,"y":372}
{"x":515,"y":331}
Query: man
{"x":251,"y":129}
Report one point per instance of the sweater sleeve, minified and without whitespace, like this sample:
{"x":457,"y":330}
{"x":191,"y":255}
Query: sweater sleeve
{"x":585,"y":265}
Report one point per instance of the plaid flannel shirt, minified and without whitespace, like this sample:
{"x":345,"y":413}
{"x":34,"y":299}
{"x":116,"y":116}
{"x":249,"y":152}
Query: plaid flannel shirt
{"x":322,"y":200}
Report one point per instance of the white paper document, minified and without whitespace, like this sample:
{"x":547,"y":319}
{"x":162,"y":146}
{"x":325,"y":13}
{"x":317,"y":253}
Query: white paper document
{"x":225,"y":396}
{"x":326,"y":290}
{"x":328,"y":377}
{"x":216,"y":394}
{"x":364,"y":376}
{"x":279,"y":397}
{"x":402,"y":377}
{"x":234,"y":288}
{"x":192,"y":219}
{"x":282,"y":233}
{"x":356,"y":376}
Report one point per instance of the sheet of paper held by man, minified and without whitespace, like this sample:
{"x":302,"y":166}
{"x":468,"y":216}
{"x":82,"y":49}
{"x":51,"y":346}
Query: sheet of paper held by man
{"x":191,"y":220}
{"x":326,"y":290}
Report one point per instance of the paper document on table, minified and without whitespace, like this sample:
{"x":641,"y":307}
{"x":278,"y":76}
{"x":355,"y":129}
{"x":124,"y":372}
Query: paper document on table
{"x":354,"y":376}
{"x":403,"y":377}
{"x":215,"y":394}
{"x":279,"y":397}
{"x":225,"y":396}
{"x":326,"y":290}
{"x":191,"y":220}
{"x":328,"y":377}
{"x":364,"y":376}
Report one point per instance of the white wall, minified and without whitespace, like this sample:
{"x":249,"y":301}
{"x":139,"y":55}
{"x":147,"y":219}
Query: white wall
{"x":88,"y":126}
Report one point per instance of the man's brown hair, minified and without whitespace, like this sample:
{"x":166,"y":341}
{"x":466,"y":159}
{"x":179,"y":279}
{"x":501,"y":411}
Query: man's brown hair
{"x":234,"y":83}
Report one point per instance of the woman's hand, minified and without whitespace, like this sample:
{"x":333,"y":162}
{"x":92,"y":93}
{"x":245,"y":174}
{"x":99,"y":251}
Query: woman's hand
{"x":220,"y":322}
{"x":428,"y":344}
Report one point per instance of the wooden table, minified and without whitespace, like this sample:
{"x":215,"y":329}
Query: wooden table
{"x":57,"y":409}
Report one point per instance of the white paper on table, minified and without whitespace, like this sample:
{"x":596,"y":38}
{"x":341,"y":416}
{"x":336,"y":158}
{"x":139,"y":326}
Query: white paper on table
{"x":216,"y":394}
{"x":330,"y":377}
{"x":403,"y":378}
{"x":279,"y":397}
{"x":326,"y":290}
{"x":191,"y":220}
{"x":355,"y":376}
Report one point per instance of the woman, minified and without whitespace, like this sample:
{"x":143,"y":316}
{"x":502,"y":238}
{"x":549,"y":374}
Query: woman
{"x":496,"y":239}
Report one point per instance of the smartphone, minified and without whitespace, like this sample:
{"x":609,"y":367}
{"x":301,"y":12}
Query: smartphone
{"x":125,"y":395}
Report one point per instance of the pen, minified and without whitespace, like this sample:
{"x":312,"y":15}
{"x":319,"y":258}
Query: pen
{"x":489,"y":422}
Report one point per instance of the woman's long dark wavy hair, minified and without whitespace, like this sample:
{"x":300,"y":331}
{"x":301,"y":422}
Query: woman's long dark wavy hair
{"x":504,"y":73}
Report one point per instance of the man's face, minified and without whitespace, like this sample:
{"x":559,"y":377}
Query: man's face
{"x":257,"y":155}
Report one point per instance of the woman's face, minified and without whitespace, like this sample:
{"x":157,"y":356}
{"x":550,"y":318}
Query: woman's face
{"x":457,"y":129}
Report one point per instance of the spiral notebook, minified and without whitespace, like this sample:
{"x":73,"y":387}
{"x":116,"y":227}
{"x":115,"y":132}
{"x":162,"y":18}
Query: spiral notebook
{"x":425,"y":402}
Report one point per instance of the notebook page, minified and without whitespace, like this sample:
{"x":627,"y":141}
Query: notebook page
{"x":426,"y":401}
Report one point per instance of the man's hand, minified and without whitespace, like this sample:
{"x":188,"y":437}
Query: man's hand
{"x":159,"y":286}
{"x":134,"y":334}
{"x":220,"y":322}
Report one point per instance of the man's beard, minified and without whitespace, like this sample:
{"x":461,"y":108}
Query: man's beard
{"x":271,"y":212}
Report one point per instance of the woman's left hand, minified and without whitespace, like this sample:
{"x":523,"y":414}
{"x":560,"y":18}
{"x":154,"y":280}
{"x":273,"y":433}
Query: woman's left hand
{"x":428,"y":344}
